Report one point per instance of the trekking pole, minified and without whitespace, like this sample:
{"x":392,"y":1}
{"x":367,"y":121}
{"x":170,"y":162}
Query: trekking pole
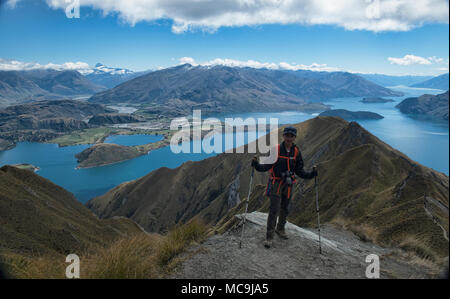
{"x":246,"y":206}
{"x":318,"y":214}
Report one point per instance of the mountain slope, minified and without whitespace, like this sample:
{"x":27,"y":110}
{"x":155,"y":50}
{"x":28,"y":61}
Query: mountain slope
{"x":430,"y":106}
{"x":379,"y":183}
{"x":62,"y":82}
{"x":14,"y":88}
{"x":387,"y":80}
{"x":439,"y":82}
{"x":215,"y":89}
{"x":25,"y":86}
{"x":38,"y":217}
{"x":227,"y":89}
{"x":351,"y":84}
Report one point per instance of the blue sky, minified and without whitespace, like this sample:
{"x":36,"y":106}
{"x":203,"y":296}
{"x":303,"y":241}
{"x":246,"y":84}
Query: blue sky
{"x":32,"y":31}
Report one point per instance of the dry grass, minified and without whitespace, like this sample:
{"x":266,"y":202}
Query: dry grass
{"x":23,"y":267}
{"x":415,"y":246}
{"x":365,"y":232}
{"x":178,"y":239}
{"x":136,"y":257}
{"x":414,"y":250}
{"x":127,"y":258}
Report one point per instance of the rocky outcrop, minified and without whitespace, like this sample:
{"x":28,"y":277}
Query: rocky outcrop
{"x":343,"y":255}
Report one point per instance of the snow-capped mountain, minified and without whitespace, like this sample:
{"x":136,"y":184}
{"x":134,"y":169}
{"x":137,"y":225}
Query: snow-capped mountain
{"x":110,"y":77}
{"x":103,"y":69}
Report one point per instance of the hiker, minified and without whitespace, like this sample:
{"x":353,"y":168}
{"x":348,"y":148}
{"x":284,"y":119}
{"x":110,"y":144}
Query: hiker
{"x":282,"y":178}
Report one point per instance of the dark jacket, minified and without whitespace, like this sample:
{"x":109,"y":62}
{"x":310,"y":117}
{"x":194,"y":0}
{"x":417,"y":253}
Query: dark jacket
{"x":281,"y":166}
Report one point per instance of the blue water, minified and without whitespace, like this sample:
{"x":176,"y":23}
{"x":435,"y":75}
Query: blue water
{"x":59,"y":164}
{"x":423,"y":141}
{"x":132,"y":140}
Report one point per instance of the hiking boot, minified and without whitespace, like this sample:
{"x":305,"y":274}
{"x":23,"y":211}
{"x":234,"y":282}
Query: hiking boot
{"x":268,"y":243}
{"x":281,"y":234}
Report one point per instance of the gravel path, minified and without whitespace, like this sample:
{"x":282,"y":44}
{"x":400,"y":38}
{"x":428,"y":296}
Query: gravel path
{"x":343,"y":255}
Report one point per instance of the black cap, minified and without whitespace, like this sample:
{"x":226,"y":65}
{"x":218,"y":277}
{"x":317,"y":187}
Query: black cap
{"x":290,"y":130}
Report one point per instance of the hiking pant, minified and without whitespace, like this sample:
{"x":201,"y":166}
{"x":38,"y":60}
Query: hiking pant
{"x":279,"y":207}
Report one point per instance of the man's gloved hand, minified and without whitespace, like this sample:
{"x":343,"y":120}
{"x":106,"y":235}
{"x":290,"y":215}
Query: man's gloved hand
{"x":314,"y":171}
{"x":255,"y":161}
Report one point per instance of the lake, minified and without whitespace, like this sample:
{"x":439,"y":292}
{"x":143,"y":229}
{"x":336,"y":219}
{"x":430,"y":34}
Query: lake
{"x":423,"y":141}
{"x":58,"y":164}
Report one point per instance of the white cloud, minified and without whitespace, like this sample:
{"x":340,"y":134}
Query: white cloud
{"x":209,"y":15}
{"x":11,"y":3}
{"x":409,"y":60}
{"x":15,"y":65}
{"x":413,"y":59}
{"x":258,"y":65}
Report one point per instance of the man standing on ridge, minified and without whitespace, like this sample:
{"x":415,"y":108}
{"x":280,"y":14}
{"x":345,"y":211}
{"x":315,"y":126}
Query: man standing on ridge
{"x":282,"y":177}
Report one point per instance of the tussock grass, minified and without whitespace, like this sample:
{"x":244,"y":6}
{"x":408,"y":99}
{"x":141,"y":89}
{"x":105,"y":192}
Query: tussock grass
{"x":138,"y":256}
{"x":364,"y":232}
{"x":178,"y":239}
{"x":49,"y":267}
{"x":413,"y":245}
{"x":127,"y":258}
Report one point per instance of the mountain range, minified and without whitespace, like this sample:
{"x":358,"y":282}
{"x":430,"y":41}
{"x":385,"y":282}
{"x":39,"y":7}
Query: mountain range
{"x":354,"y":85}
{"x":389,"y":81}
{"x":228,"y":89}
{"x":43,"y":84}
{"x":439,"y":82}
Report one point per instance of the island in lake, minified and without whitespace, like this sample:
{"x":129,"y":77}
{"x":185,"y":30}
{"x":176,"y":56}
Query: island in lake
{"x":352,"y":115}
{"x":26,"y":166}
{"x":105,"y":154}
{"x":375,"y":100}
{"x":429,"y":106}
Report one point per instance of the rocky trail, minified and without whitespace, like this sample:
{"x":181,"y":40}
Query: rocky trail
{"x":343,"y":255}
